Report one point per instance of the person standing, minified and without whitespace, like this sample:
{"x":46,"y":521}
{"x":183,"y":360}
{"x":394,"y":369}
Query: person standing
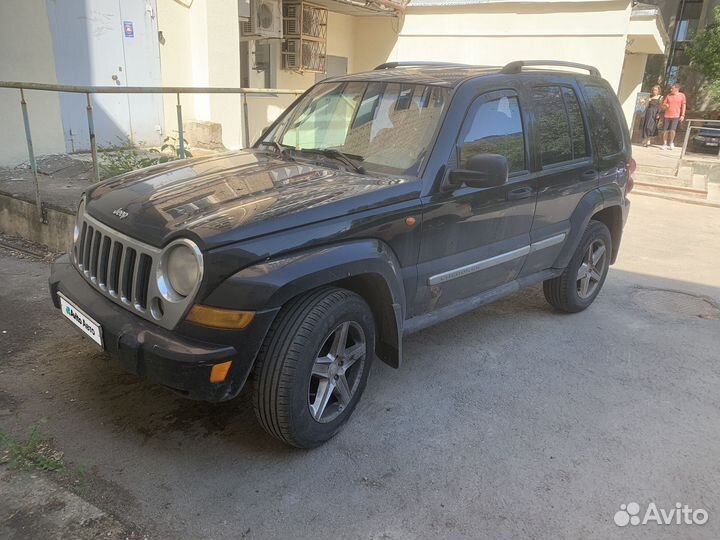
{"x":652,"y":115}
{"x":674,"y":106}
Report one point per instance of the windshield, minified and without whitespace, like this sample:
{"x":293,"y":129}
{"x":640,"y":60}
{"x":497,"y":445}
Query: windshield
{"x":388,"y":127}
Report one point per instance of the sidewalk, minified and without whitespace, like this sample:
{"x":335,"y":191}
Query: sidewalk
{"x":34,"y":508}
{"x":660,"y":172}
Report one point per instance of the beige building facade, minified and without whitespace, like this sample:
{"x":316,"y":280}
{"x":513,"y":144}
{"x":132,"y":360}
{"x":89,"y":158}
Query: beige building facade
{"x":201,"y":44}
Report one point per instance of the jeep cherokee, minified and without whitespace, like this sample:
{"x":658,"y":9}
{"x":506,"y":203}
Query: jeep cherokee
{"x":378,"y":204}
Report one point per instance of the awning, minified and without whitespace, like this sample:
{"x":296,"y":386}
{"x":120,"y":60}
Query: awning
{"x":646,"y":34}
{"x":364,"y":7}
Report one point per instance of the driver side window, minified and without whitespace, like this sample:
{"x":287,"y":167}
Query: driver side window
{"x":326,"y":120}
{"x":494,"y":127}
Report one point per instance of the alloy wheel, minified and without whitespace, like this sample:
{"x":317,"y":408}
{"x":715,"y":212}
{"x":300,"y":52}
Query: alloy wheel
{"x":337,"y":371}
{"x":591,"y":270}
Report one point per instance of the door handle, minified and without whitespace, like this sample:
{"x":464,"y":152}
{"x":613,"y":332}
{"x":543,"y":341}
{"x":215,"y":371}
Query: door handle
{"x":589,"y":175}
{"x":519,"y":193}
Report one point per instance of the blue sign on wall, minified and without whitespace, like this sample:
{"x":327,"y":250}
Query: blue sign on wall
{"x":128,"y":29}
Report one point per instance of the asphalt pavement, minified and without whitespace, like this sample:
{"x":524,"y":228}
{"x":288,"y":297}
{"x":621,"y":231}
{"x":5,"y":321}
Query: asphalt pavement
{"x":509,"y":422}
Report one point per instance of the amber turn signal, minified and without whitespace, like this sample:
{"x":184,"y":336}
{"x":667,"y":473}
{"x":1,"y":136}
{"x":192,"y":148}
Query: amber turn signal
{"x":219,"y":372}
{"x":220,"y":318}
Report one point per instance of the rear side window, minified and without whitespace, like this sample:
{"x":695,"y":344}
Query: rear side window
{"x":494,"y":127}
{"x":607,"y":131}
{"x":577,"y":125}
{"x":561,"y":130}
{"x":553,"y":125}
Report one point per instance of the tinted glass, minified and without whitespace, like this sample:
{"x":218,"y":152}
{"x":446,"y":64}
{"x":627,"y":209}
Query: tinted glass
{"x":553,"y":126}
{"x":607,"y":131}
{"x":386,"y":126}
{"x":495,"y":127}
{"x":577,"y":126}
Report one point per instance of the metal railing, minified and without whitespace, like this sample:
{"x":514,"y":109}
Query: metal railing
{"x":703,"y":124}
{"x":90,"y":90}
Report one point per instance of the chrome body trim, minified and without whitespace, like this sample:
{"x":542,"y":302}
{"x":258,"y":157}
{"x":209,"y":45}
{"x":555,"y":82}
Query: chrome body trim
{"x":547,"y":242}
{"x":477,"y":266}
{"x":497,"y":259}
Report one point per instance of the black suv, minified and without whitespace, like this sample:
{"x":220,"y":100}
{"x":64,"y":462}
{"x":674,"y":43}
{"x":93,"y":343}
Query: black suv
{"x":377,"y":205}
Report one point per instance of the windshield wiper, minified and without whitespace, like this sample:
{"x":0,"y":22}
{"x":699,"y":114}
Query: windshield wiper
{"x":279,"y":147}
{"x":334,"y":153}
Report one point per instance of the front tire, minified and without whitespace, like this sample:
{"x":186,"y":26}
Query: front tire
{"x":578,"y":286}
{"x":313,"y":366}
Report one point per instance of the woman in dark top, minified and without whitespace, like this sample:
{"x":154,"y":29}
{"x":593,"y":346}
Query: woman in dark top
{"x":652,"y":115}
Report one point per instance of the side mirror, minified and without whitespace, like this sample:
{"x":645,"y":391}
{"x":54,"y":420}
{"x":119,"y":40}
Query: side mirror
{"x":482,"y":171}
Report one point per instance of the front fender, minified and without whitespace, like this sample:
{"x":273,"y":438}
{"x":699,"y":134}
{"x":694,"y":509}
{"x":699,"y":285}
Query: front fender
{"x":270,"y":284}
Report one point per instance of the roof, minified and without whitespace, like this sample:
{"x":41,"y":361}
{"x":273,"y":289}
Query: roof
{"x":447,"y":3}
{"x":437,"y":75}
{"x":451,"y":75}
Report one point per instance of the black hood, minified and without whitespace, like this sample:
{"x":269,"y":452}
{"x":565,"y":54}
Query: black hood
{"x":231,"y":197}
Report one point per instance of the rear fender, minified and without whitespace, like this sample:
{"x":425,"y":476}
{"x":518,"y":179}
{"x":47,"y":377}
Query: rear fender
{"x":592,"y":202}
{"x":603,"y":198}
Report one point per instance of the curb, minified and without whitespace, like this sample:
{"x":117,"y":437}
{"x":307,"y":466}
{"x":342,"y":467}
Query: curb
{"x":689,"y":200}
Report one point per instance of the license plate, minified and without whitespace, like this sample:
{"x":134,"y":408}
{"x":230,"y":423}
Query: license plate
{"x":80,"y":319}
{"x":711,"y":143}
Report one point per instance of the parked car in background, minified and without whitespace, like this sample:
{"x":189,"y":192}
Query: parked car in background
{"x":706,"y":139}
{"x":379,"y":204}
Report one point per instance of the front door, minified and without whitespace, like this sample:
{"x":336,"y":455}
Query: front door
{"x":477,"y":239}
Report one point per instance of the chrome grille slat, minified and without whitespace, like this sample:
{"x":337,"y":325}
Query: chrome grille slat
{"x":125,"y":271}
{"x":86,"y":251}
{"x":116,"y":252}
{"x":104,"y":256}
{"x":140,"y":288}
{"x":80,"y":248}
{"x":94,"y":253}
{"x":133,"y":280}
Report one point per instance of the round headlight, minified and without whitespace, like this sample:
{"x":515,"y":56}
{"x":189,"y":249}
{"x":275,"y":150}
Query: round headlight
{"x":183,"y":267}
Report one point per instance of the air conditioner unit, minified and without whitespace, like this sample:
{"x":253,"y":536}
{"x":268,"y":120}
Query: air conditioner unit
{"x":305,"y":31}
{"x":265,"y":20}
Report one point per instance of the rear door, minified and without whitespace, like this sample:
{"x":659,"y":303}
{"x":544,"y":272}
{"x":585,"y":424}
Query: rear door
{"x":475,"y":239}
{"x":610,"y":136}
{"x":564,"y":163}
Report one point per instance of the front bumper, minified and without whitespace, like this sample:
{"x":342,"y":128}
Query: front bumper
{"x":166,"y":357}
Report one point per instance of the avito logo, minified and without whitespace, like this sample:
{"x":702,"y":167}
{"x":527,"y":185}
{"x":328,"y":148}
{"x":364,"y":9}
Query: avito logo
{"x":79,"y":319}
{"x":629,"y":514}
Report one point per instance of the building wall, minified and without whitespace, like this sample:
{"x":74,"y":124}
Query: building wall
{"x":588,"y":32}
{"x":201,"y":48}
{"x":27,"y":55}
{"x":631,"y":83}
{"x":176,"y":57}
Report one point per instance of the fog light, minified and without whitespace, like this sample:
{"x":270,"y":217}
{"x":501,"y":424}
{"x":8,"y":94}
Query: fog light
{"x":219,"y":372}
{"x":220,"y":318}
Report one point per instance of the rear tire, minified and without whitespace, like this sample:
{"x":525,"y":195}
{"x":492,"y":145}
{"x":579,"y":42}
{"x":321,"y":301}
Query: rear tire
{"x":313,"y":366}
{"x":578,"y":286}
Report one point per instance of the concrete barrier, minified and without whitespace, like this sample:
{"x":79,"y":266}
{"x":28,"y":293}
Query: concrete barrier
{"x":20,"y":217}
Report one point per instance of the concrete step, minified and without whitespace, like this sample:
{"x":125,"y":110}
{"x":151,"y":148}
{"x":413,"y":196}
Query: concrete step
{"x":19,"y":216}
{"x":664,"y":179}
{"x":689,"y":192}
{"x":656,"y":169}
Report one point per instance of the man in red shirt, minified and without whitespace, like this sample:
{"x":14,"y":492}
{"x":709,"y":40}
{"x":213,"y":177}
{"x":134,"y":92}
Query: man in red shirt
{"x":674,"y":107}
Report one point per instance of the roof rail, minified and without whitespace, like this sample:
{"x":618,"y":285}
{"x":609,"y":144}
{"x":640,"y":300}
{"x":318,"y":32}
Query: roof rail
{"x":393,"y":65}
{"x":516,"y":67}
